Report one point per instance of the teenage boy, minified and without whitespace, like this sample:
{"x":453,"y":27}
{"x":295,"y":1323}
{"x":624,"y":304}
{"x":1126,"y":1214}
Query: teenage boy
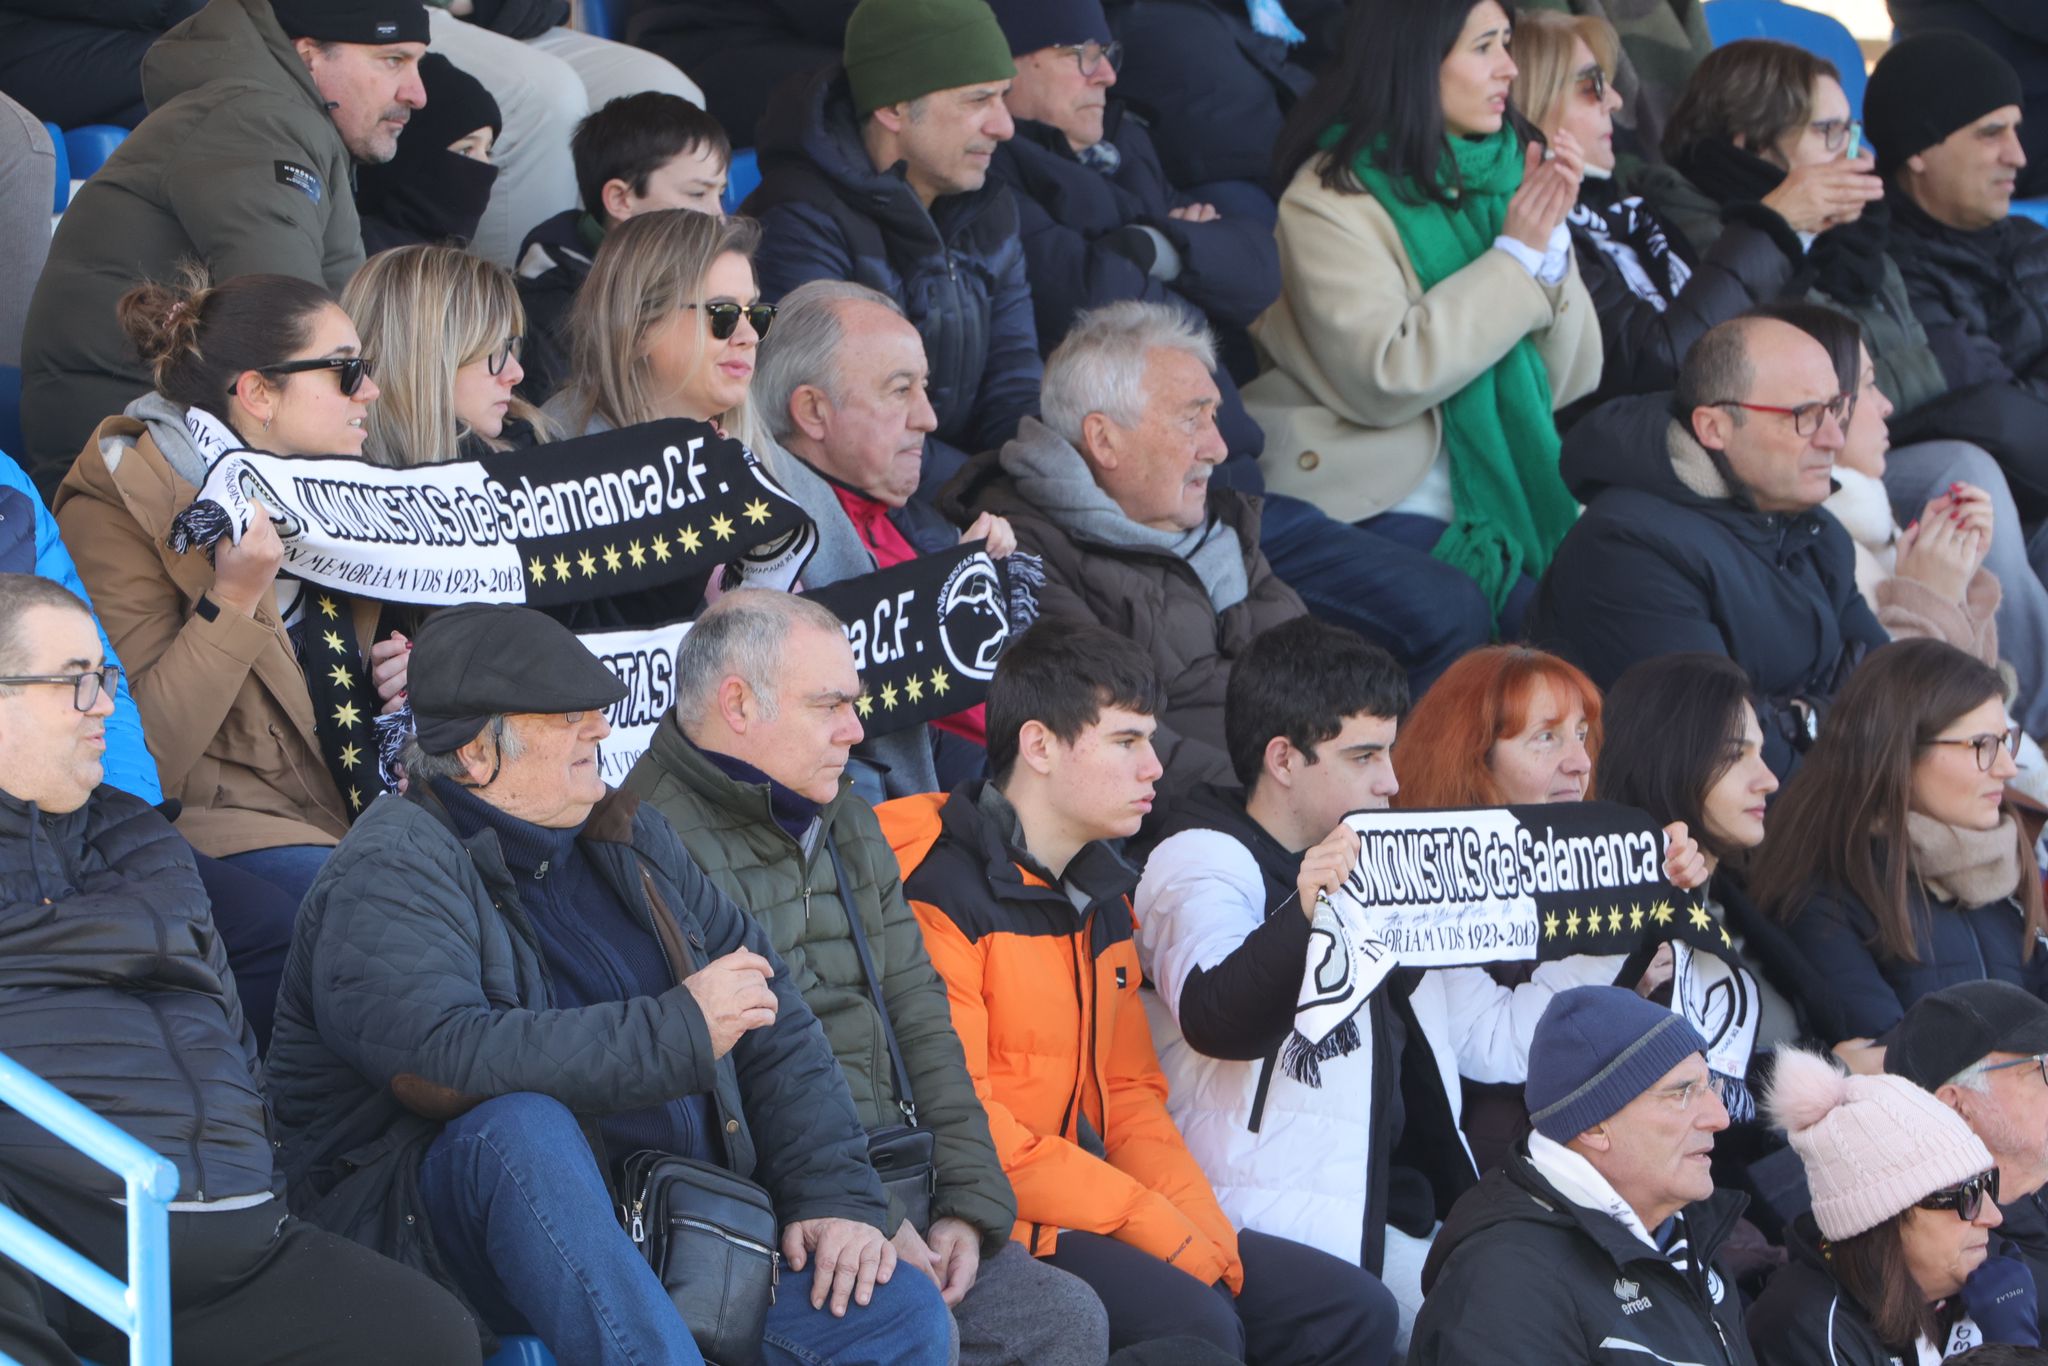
{"x":638,"y":153}
{"x":1024,"y":903}
{"x":1358,"y":1154}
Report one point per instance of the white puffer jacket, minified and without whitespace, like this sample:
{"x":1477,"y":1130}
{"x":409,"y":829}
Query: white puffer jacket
{"x":1304,"y":1174}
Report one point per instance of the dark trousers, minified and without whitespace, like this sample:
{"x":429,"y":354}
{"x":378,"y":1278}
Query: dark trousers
{"x":1398,"y":596}
{"x":254,"y":916}
{"x":252,"y":1286}
{"x":1300,"y":1306}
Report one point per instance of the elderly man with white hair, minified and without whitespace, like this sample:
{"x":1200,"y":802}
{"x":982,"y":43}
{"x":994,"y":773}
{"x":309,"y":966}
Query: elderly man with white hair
{"x":1112,"y":489}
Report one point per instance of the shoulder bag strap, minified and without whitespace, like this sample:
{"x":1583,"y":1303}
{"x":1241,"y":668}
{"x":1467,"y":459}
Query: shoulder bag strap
{"x":904,"y":1100}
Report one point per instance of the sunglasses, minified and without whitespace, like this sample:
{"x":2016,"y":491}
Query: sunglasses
{"x":1966,"y":1199}
{"x":1593,"y":81}
{"x":725,"y":317}
{"x":350,"y":371}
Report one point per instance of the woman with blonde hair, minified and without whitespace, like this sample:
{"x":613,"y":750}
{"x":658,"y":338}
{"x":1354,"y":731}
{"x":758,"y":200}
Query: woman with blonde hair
{"x":666,"y":326}
{"x":448,"y":328}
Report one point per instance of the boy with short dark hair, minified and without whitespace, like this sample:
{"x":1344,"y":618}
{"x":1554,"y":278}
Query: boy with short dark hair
{"x":638,"y":153}
{"x":1024,"y":903}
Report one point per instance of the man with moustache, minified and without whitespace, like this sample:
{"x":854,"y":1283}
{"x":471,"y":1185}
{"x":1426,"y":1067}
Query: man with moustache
{"x":1112,"y":489}
{"x":1704,"y":530}
{"x":261,"y":109}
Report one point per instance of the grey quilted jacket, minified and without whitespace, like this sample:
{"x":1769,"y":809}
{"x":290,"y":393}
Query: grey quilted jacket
{"x":415,"y":990}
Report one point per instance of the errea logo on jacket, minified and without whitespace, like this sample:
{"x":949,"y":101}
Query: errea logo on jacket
{"x":1633,"y":1300}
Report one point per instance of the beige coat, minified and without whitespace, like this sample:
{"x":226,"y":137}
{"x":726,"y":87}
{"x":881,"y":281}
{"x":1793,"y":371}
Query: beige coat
{"x":1362,"y":359}
{"x":224,"y":704}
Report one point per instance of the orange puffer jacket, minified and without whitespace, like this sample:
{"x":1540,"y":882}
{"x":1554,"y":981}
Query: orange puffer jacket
{"x":1045,"y":999}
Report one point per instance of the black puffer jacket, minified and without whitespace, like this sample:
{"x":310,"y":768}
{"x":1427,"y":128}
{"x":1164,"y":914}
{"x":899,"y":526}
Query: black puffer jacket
{"x":415,"y":989}
{"x":1520,"y":1276}
{"x":957,"y":269}
{"x":1669,"y":557}
{"x":114,"y":988}
{"x":1982,"y":296}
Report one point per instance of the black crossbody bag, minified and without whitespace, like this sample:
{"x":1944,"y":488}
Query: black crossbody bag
{"x":901,"y":1154}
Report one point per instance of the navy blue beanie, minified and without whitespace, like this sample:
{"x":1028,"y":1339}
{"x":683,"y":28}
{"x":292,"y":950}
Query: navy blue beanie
{"x":1034,"y":24}
{"x":1596,"y":1049}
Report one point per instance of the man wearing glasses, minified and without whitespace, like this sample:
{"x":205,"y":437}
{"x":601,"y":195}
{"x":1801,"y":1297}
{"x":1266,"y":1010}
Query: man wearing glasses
{"x":1596,"y":1241}
{"x":1704,"y":530}
{"x":115,"y":988}
{"x":1982,"y":1049}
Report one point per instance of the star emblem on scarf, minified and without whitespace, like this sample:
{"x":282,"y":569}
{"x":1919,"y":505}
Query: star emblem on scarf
{"x":637,"y":553}
{"x":333,"y":642}
{"x":1550,"y":924}
{"x":721,"y":527}
{"x":562,"y":568}
{"x":756,"y":512}
{"x":690,"y":539}
{"x":611,"y":558}
{"x":1635,"y":917}
{"x":661,"y":549}
{"x":865,"y":705}
{"x":346,"y":714}
{"x":1726,"y":941}
{"x":1614,"y":920}
{"x":888,"y":697}
{"x":327,"y":608}
{"x":1571,"y":925}
{"x":941,"y":681}
{"x":341,"y":677}
{"x":1700,"y":918}
{"x":350,"y":756}
{"x":914,"y":689}
{"x":1661,"y":913}
{"x":355,"y":800}
{"x":587,"y":562}
{"x":538,"y":569}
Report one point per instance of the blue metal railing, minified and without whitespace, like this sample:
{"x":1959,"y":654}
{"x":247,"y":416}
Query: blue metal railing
{"x":141,"y":1307}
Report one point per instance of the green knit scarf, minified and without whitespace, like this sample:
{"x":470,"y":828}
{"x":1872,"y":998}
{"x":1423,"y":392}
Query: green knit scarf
{"x":1511,"y":507}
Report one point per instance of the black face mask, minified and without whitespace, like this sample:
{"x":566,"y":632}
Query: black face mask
{"x":435,"y":198}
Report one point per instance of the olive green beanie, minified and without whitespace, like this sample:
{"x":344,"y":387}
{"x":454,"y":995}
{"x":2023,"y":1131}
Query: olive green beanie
{"x":900,"y":49}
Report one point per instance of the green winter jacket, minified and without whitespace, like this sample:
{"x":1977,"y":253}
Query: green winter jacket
{"x":238,"y":166}
{"x":792,"y":891}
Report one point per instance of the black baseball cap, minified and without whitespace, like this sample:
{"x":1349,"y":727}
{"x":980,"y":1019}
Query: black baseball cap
{"x":1954,"y":1028}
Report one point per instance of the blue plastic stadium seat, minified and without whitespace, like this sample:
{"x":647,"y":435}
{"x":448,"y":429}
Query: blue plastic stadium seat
{"x":10,"y":410}
{"x":741,"y":179}
{"x":2036,"y":209}
{"x":63,"y":196}
{"x":521,"y":1351}
{"x":90,"y":147}
{"x":598,"y":19}
{"x":1820,"y":34}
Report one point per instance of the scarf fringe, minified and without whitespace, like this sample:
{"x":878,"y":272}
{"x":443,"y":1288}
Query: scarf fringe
{"x":1303,"y":1060}
{"x":1025,"y":576}
{"x":201,"y":524}
{"x":1736,"y":1095}
{"x":393,"y":730}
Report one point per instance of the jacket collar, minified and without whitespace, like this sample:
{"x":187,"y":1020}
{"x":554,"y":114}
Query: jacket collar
{"x":981,"y":820}
{"x":752,"y":801}
{"x":1707,"y":1222}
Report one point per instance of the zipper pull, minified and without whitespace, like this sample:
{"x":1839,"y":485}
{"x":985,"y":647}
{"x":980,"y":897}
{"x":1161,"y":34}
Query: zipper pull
{"x":807,"y":905}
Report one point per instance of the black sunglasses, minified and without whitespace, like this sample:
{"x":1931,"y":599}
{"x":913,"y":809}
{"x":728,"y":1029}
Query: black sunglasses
{"x":725,"y":317}
{"x":350,"y":371}
{"x":1966,"y":1199}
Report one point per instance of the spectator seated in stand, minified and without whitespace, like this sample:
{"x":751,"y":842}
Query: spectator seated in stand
{"x":1112,"y":489}
{"x":1977,"y":1046}
{"x":1704,"y":530}
{"x":1658,"y":48}
{"x":1025,"y":909}
{"x":1903,"y":1198}
{"x":262,"y":110}
{"x":1431,"y":317}
{"x":637,"y":154}
{"x":1361,"y":1155}
{"x":1894,"y":861}
{"x":435,"y":188}
{"x":749,"y":768}
{"x":510,"y":981}
{"x":2015,"y":29}
{"x":921,"y":88}
{"x":117,"y":992}
{"x":1611,"y":1193}
{"x":841,"y":394}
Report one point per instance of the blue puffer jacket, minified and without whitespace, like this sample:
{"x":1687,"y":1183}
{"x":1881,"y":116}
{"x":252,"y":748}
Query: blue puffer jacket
{"x":29,"y":544}
{"x":957,"y":270}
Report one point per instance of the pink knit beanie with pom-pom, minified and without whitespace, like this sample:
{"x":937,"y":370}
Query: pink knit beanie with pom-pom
{"x":1873,"y":1146}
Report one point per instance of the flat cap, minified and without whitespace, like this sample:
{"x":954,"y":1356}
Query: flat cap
{"x":479,"y":660}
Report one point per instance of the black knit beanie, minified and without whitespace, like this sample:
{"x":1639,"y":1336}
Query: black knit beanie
{"x":373,"y":22}
{"x":1926,"y":87}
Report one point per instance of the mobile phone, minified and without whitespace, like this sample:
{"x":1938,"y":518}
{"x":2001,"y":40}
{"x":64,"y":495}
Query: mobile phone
{"x":1855,"y":141}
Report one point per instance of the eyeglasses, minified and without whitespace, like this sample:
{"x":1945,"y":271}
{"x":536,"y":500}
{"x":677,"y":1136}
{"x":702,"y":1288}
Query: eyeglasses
{"x":506,"y":353}
{"x":1806,"y":417}
{"x":1593,"y":83}
{"x":1682,"y":1096}
{"x":1966,"y":1199}
{"x":725,"y":317}
{"x":1835,"y":132}
{"x":1090,"y":56}
{"x":351,"y":370}
{"x":2037,"y":1060}
{"x":1987,"y":746}
{"x":85,"y":688}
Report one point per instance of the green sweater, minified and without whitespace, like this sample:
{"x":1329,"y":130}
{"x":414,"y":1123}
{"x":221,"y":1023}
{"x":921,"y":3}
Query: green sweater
{"x":791,"y":890}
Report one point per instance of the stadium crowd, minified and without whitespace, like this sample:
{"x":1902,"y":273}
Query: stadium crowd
{"x":942,"y":910}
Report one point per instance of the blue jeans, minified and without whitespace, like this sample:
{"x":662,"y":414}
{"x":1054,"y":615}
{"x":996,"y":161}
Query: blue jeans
{"x":1399,"y":596}
{"x":289,"y":866}
{"x":520,"y":1216}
